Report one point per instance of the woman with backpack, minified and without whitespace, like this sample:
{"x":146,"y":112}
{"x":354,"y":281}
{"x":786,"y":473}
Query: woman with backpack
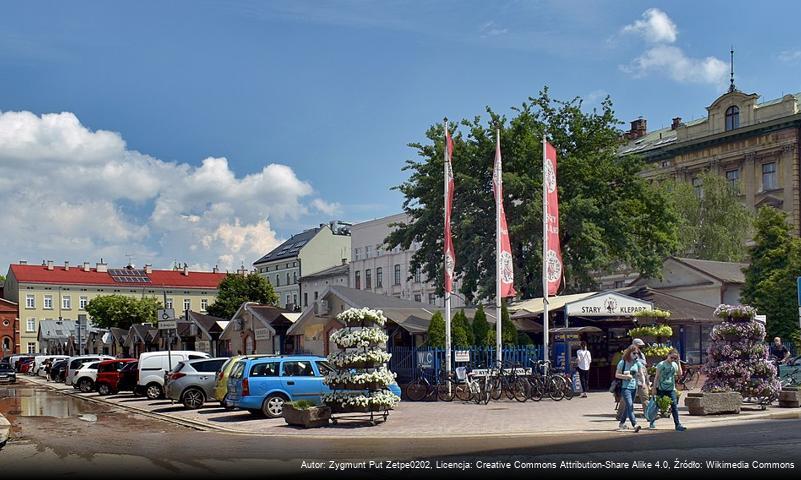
{"x":665,"y":385}
{"x":626,"y":372}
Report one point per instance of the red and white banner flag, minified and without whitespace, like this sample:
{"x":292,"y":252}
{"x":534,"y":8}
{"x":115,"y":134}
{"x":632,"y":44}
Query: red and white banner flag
{"x":553,"y":257}
{"x":450,"y":256}
{"x":505,"y":269}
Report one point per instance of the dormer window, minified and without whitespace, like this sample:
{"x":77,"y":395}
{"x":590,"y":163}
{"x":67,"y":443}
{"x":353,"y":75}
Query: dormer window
{"x":732,"y":118}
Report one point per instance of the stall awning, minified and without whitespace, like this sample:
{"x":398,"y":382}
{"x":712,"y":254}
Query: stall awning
{"x":533,"y":307}
{"x":575,"y":330}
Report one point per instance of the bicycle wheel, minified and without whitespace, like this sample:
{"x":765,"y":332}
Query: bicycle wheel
{"x":496,"y":388}
{"x":485,"y":392}
{"x":463,"y":392}
{"x":417,"y":390}
{"x":569,"y":393}
{"x":519,"y":388}
{"x":554,"y":388}
{"x":535,"y":389}
{"x":692,"y":380}
{"x":446,"y":390}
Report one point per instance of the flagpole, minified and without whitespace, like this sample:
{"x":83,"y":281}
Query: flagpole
{"x":544,"y":257}
{"x":445,"y":262}
{"x":498,"y":204}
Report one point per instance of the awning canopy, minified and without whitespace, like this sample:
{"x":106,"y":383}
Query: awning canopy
{"x":607,"y":304}
{"x":575,"y":330}
{"x":534,"y":306}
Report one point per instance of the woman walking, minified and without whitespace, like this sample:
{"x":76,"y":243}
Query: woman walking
{"x":665,"y":385}
{"x":584,"y":359}
{"x":627,"y":371}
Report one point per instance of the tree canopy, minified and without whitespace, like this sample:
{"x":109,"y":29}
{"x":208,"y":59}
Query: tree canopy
{"x":713,"y":222}
{"x":770,"y":279}
{"x":608,"y":213}
{"x":236,"y":289}
{"x":481,"y":328}
{"x":436,"y":331}
{"x":121,"y":311}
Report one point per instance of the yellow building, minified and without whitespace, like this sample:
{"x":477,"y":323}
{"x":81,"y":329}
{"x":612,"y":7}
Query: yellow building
{"x":50,"y":292}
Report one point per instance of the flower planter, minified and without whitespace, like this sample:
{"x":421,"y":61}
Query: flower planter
{"x":713,"y":403}
{"x":790,"y":397}
{"x":355,"y":409}
{"x":358,"y":386}
{"x":307,"y":418}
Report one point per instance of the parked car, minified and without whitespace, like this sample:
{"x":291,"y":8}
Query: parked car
{"x":25,"y":365}
{"x":109,"y":375}
{"x":192,"y":382}
{"x":261,"y":386}
{"x":7,"y":373}
{"x":58,"y":371}
{"x":153,"y":366}
{"x":16,"y":361}
{"x":39,"y":363}
{"x":85,"y":377}
{"x":74,"y":363}
{"x":221,"y":387}
{"x":129,"y":376}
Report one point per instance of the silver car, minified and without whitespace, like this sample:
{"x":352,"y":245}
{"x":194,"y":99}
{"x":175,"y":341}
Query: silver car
{"x":191,"y":382}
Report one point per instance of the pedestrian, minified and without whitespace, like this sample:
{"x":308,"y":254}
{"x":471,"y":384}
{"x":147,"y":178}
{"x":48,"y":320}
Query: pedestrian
{"x":643,"y":387}
{"x":627,"y":370}
{"x":665,"y":385}
{"x":779,"y":352}
{"x":584,"y":358}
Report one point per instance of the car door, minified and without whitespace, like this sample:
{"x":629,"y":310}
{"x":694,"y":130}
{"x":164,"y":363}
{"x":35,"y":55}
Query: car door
{"x":264,"y":377}
{"x":207,"y":374}
{"x":299,"y":380}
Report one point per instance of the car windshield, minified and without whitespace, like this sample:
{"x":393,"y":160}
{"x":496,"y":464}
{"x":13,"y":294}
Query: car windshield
{"x":238,"y":369}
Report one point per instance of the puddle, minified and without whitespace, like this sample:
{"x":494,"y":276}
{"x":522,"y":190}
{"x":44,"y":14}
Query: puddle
{"x":31,"y":402}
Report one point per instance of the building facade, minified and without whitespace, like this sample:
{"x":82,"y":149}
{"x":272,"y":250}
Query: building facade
{"x":52,"y":292}
{"x":315,"y":284}
{"x":388,"y":272}
{"x":9,"y":324}
{"x":303,"y":254}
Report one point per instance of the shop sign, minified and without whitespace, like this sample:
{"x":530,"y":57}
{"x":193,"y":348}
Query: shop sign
{"x":203,"y":346}
{"x":607,"y":305}
{"x":462,"y":355}
{"x":262,"y":333}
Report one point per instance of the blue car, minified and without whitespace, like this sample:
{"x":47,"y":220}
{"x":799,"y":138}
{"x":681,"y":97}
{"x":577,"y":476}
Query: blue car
{"x":262,"y":385}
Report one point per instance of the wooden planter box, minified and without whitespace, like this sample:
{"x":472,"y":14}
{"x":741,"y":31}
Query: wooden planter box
{"x":308,"y":418}
{"x":713,"y":403}
{"x":790,"y":397}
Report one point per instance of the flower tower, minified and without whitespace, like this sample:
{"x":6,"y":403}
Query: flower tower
{"x":737,"y":357}
{"x":360,"y":380}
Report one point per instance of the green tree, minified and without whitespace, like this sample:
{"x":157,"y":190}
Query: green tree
{"x":461,"y":332}
{"x":481,"y":328}
{"x":436,"y":331}
{"x":236,"y":289}
{"x":509,"y":332}
{"x":524,"y":339}
{"x":770,"y":279}
{"x":609,"y":214}
{"x":714,"y":223}
{"x":121,"y":311}
{"x":2,"y":278}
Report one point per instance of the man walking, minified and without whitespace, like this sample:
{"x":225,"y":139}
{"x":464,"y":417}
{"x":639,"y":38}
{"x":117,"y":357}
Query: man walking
{"x":779,"y":352}
{"x":584,"y":359}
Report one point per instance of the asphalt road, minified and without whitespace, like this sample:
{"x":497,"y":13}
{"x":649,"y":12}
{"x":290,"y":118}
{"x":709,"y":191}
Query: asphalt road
{"x":56,"y":435}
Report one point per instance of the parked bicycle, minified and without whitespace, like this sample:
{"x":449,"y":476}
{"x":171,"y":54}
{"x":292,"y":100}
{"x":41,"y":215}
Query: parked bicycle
{"x":542,"y":384}
{"x":689,"y":377}
{"x":508,"y":381}
{"x":471,"y":386}
{"x":422,"y":389}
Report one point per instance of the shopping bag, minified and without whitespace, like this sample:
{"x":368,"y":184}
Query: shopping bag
{"x":652,"y":410}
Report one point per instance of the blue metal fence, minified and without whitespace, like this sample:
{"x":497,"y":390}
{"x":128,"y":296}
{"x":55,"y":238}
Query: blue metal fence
{"x":406,"y":360}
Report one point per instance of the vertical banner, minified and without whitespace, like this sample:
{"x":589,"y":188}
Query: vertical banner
{"x":450,"y":257}
{"x":553,"y":256}
{"x":504,"y":250}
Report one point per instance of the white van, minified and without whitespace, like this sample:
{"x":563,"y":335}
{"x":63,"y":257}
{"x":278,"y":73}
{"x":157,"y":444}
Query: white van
{"x":74,"y":363}
{"x":154,"y":365}
{"x":38,"y":363}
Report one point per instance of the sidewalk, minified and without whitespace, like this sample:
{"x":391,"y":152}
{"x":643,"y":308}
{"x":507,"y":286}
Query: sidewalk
{"x":431,"y":419}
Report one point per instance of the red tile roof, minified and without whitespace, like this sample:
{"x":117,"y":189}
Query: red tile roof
{"x":77,"y":276}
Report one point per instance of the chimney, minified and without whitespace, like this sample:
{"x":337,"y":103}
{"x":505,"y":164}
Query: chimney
{"x":49,"y":264}
{"x":86,"y":267}
{"x":102,"y":267}
{"x":186,"y":270}
{"x":638,"y":129}
{"x":66,"y":265}
{"x":23,"y":262}
{"x":676,"y":123}
{"x":148,"y":268}
{"x":216,"y":269}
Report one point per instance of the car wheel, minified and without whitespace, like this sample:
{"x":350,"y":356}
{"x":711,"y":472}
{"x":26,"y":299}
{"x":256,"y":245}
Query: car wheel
{"x":153,"y":391}
{"x":103,"y":389}
{"x":193,"y":398}
{"x":85,"y":385}
{"x":273,"y":406}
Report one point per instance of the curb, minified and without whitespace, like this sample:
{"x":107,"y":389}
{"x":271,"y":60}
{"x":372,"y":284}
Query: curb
{"x":203,"y":426}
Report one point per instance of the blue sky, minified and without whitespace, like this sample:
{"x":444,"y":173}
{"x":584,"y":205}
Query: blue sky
{"x":329,"y":93}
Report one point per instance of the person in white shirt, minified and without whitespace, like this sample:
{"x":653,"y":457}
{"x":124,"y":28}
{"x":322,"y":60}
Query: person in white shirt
{"x":584,"y":358}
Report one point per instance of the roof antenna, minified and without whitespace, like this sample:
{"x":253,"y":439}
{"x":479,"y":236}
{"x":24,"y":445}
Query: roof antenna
{"x":731,"y":85}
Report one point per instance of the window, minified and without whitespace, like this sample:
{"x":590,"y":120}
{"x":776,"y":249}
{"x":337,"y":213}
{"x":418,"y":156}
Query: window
{"x":82,"y":302}
{"x":48,"y":302}
{"x":379,"y":277}
{"x":368,"y":279}
{"x":769,"y":177}
{"x":417,"y":276}
{"x":187,"y":304}
{"x":355,"y":253}
{"x":31,"y":347}
{"x":66,"y":302}
{"x":297,"y":369}
{"x":397,"y":275}
{"x":316,"y":294}
{"x":295,"y":277}
{"x":733,"y":179}
{"x":698,"y":187}
{"x":357,"y":284}
{"x":295,"y":299}
{"x":305,"y":299}
{"x":367,"y":252}
{"x":432,"y":298}
{"x":732,"y":118}
{"x":417,"y":297}
{"x":277,"y":281}
{"x":619,"y":283}
{"x":169,"y":304}
{"x":378,"y":250}
{"x":30,"y":301}
{"x":204,"y":304}
{"x":264,"y":369}
{"x":287,"y":300}
{"x":287,"y":278}
{"x":30,"y":326}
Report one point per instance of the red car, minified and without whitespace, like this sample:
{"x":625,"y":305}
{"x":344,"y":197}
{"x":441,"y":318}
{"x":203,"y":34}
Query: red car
{"x":114,"y":375}
{"x":25,"y":364}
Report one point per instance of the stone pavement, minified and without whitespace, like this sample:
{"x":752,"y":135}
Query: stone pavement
{"x":432,"y":419}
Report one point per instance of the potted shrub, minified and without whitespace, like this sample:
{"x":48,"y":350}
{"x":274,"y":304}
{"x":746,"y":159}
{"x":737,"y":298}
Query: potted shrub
{"x":306,"y":414}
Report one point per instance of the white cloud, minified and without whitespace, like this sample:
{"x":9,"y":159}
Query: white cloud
{"x":71,"y":193}
{"x":655,"y":27}
{"x":790,"y":56}
{"x":490,"y":29}
{"x":678,"y":66}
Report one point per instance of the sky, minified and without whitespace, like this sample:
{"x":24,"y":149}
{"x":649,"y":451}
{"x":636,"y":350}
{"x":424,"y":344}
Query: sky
{"x":206,"y":132}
